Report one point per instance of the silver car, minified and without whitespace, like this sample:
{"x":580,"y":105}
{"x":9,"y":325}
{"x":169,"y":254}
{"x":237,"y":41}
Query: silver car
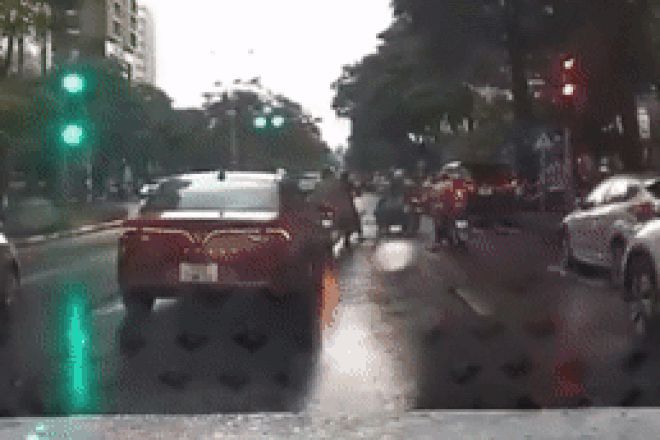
{"x":598,"y":231}
{"x":641,"y":268}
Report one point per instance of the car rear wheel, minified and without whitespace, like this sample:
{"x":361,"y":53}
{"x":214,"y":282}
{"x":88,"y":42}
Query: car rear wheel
{"x":10,"y":290}
{"x":616,"y":259}
{"x":643,"y":293}
{"x":303,"y":306}
{"x":9,"y":293}
{"x":568,"y":260}
{"x":138,"y":306}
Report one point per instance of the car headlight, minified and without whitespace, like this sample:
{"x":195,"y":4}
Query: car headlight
{"x":3,"y":239}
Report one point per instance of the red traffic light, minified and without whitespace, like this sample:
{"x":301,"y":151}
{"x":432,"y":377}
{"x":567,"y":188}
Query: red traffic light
{"x":568,"y":63}
{"x":568,"y":90}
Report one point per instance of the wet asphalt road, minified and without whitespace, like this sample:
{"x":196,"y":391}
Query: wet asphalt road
{"x":496,"y":326}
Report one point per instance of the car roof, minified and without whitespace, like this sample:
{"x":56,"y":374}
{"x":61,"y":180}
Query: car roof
{"x":647,"y":177}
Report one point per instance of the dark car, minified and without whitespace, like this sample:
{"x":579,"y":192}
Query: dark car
{"x":9,"y":273}
{"x":215,"y":234}
{"x":494,"y":188}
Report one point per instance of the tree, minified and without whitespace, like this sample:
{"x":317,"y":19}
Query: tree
{"x":16,"y":16}
{"x":43,"y":23}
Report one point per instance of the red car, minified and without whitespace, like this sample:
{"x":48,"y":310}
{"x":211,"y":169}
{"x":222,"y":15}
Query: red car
{"x":215,"y":233}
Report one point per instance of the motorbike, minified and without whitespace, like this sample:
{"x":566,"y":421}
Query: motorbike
{"x":416,"y":204}
{"x":329,"y":225}
{"x":453,"y":223}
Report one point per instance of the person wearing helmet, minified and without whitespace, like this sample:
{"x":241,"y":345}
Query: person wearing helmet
{"x":355,"y":225}
{"x":331,"y":193}
{"x":450,"y":202}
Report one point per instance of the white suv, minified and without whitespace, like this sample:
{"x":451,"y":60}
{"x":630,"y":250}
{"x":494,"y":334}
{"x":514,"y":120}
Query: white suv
{"x":597,"y":232}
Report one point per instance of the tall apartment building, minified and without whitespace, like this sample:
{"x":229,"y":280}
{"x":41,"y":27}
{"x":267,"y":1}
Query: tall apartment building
{"x":145,"y":67}
{"x":89,"y":29}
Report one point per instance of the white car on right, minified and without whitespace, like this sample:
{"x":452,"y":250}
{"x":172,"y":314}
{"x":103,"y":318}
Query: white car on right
{"x":641,"y":273}
{"x":598,"y":231}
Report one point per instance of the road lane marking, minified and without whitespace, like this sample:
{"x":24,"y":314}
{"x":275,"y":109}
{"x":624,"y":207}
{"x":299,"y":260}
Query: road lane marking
{"x":117,"y":306}
{"x":475,"y":303}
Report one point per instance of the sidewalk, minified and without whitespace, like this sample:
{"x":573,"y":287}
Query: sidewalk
{"x":40,"y":220}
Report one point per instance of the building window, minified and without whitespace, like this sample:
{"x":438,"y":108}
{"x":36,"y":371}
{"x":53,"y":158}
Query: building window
{"x":133,"y":23}
{"x":133,"y":40}
{"x":117,"y":9}
{"x":116,"y":27}
{"x":134,"y":5}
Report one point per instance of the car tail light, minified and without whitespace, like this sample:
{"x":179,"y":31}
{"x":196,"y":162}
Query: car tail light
{"x":644,"y":211}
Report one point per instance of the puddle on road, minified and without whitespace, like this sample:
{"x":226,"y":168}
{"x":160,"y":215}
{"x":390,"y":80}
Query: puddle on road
{"x":358,"y":371}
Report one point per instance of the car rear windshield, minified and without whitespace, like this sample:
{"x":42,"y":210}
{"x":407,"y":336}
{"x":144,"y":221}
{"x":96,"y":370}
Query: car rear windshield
{"x":483,"y":171}
{"x":185,"y":196}
{"x":654,"y":188}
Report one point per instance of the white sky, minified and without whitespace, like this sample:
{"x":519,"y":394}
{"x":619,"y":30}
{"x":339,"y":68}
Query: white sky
{"x":298,"y":47}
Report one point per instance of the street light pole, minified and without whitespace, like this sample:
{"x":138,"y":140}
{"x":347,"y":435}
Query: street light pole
{"x":233,"y":138}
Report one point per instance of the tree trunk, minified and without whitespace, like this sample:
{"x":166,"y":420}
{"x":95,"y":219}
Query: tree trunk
{"x":631,"y":149}
{"x":43,"y":54}
{"x":10,"y":56}
{"x":519,"y":88}
{"x":516,"y":49}
{"x":21,"y":55}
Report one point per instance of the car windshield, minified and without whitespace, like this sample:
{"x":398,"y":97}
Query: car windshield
{"x":236,"y":197}
{"x":324,"y":208}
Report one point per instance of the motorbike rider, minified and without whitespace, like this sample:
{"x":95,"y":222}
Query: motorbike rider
{"x":452,"y":193}
{"x":393,"y":201}
{"x":352,"y":191}
{"x":333,"y":193}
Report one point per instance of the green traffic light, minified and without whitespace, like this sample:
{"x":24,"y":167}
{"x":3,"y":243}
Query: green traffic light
{"x":73,"y":135}
{"x":260,"y":122}
{"x":277,"y":121}
{"x":73,"y":83}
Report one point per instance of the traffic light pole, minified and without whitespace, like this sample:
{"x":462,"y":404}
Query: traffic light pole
{"x":233,"y":138}
{"x":89,"y":181}
{"x":568,"y":168}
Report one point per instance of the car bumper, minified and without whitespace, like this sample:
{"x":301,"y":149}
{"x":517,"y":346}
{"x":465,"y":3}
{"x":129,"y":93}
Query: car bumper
{"x":166,"y":281}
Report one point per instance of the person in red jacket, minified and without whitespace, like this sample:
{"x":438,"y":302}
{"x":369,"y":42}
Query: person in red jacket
{"x":451,"y":198}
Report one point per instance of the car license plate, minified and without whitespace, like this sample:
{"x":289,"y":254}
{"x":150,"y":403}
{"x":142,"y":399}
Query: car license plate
{"x":198,"y":273}
{"x":485,"y":191}
{"x":327,"y":223}
{"x":461,"y":224}
{"x":395,"y":229}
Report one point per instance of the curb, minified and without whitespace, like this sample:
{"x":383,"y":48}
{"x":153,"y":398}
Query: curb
{"x":83,"y":230}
